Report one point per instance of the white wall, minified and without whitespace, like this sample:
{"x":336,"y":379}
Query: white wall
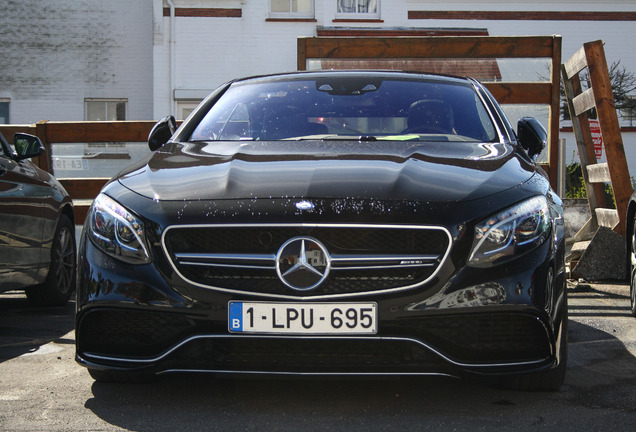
{"x":55,"y":53}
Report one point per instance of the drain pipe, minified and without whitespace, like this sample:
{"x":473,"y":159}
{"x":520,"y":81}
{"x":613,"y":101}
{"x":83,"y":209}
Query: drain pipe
{"x":173,"y":44}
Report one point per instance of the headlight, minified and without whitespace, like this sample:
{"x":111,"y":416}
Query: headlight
{"x":510,"y":233}
{"x":116,"y":231}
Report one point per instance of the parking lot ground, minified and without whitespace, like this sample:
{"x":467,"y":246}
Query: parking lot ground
{"x":43,"y":389}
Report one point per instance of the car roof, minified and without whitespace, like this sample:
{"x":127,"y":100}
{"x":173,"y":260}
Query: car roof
{"x":390,"y":74}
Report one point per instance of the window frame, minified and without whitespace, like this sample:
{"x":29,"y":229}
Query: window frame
{"x":628,"y":114}
{"x":8,"y":105}
{"x":105,"y":101}
{"x":358,"y":15}
{"x":293,"y":15}
{"x":185,"y":108}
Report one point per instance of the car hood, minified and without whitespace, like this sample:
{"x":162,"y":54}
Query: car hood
{"x":379,"y":170}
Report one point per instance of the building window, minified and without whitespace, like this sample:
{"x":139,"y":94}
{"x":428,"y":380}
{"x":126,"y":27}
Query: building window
{"x":4,"y":111}
{"x":185,"y":108}
{"x":105,"y":109}
{"x":628,"y":112}
{"x":291,"y":9}
{"x":358,"y":9}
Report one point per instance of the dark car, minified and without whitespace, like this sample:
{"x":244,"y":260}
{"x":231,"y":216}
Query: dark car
{"x":37,"y":232}
{"x":631,"y":251}
{"x":349,"y":222}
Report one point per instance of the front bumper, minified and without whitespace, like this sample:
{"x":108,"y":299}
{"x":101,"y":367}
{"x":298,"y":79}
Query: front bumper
{"x":465,"y":322}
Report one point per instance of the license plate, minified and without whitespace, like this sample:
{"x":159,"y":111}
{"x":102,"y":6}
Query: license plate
{"x":302,"y":318}
{"x":68,"y":164}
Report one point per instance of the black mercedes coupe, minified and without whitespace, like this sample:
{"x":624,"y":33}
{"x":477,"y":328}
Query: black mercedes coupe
{"x":330,"y":223}
{"x":37,"y":231}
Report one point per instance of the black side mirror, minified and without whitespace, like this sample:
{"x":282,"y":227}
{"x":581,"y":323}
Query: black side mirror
{"x":27,"y":146}
{"x":162,"y":132}
{"x":532,"y":136}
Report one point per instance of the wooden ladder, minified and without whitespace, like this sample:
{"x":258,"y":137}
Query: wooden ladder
{"x":615,"y":170}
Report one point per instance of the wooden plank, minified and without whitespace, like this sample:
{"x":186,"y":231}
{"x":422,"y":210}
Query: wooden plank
{"x":83,"y":188}
{"x":429,"y":47}
{"x":9,"y":130}
{"x":583,"y":102}
{"x":521,"y":93}
{"x":610,"y":129}
{"x":575,"y":64}
{"x":116,"y":131}
{"x":607,"y":217}
{"x":598,"y":173}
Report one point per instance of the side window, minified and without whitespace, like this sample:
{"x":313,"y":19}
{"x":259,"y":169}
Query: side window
{"x":4,"y":111}
{"x":291,"y":9}
{"x":105,"y":109}
{"x":358,"y":9}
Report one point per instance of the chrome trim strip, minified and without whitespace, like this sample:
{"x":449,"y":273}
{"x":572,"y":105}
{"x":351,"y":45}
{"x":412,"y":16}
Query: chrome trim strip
{"x":227,"y":257}
{"x":378,"y":374}
{"x":442,"y":260}
{"x":345,"y":258}
{"x":396,"y":266}
{"x":217,"y":260}
{"x":243,"y":266}
{"x":381,"y":338}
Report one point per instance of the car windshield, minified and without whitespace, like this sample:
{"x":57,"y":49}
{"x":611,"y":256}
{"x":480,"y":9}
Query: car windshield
{"x":347,"y":107}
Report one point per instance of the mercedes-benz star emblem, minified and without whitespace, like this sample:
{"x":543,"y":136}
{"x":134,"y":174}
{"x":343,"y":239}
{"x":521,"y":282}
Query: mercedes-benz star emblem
{"x":304,"y":205}
{"x":303,"y":263}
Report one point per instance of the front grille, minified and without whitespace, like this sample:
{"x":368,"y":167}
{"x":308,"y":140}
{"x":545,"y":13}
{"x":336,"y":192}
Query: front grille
{"x":364,"y":258}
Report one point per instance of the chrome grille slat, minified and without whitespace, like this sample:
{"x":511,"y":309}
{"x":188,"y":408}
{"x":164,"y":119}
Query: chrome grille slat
{"x":365,"y":259}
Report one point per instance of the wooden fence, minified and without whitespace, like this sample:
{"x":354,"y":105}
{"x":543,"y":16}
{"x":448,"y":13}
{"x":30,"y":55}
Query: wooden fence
{"x":81,"y":190}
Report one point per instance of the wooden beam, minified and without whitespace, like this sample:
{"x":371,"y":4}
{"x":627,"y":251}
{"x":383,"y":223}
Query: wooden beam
{"x":301,"y":53}
{"x":9,"y":130}
{"x":610,"y":129}
{"x":521,"y":93}
{"x":120,"y":131}
{"x":83,"y":188}
{"x":585,"y":146}
{"x":429,"y":47}
{"x":554,"y":114}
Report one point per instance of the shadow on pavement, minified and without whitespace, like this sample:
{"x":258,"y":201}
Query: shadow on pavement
{"x":601,"y":375}
{"x":25,"y":328}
